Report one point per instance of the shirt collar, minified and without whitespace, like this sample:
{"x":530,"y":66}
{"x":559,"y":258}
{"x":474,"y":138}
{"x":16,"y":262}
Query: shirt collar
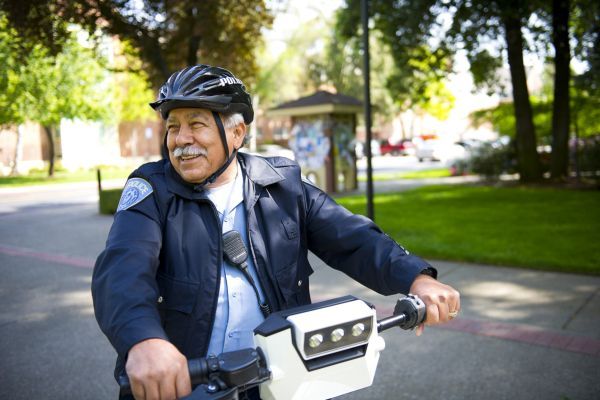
{"x":227,"y":197}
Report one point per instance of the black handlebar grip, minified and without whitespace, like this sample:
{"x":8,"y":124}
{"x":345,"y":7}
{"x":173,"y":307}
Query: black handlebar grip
{"x":200,"y":368}
{"x":413,"y":308}
{"x":408,"y":314}
{"x":124,"y":386}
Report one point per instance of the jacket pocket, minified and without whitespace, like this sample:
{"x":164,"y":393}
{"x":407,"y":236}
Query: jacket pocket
{"x":176,"y":303}
{"x":293,"y":283}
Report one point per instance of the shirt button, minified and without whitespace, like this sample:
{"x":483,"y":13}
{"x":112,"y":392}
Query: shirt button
{"x":230,"y":334}
{"x":234,"y":294}
{"x":160,"y":299}
{"x":300,"y":282}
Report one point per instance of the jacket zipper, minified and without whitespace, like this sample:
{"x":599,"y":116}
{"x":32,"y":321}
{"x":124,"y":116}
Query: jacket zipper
{"x":262,"y":287}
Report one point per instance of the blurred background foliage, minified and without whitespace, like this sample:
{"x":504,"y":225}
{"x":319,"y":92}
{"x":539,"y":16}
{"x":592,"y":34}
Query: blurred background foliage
{"x":166,"y":35}
{"x":425,"y":37}
{"x":57,"y":61}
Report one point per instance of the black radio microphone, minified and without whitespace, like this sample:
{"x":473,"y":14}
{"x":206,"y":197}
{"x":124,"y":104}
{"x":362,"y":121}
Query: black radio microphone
{"x":235,"y":252}
{"x":234,"y":249}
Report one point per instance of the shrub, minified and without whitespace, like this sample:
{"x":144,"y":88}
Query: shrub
{"x":460,"y":167}
{"x":589,"y":155}
{"x":109,"y":200}
{"x":492,"y":159}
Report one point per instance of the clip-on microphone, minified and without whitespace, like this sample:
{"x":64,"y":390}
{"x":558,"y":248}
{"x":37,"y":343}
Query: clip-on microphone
{"x":235,"y":252}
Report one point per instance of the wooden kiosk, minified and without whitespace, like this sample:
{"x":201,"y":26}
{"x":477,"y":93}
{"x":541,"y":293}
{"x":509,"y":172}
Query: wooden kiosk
{"x":323,"y":138}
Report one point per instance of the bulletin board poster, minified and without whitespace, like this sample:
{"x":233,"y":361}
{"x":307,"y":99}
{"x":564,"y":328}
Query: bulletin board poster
{"x":344,"y":153}
{"x":344,"y":145}
{"x":310,"y":144}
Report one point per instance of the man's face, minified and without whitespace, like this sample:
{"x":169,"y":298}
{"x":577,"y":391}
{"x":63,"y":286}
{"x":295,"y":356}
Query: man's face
{"x":194,"y":143}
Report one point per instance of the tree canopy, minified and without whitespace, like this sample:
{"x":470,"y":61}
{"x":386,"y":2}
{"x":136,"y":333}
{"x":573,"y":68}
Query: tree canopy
{"x":316,"y":57}
{"x":415,"y":80}
{"x":47,"y":88}
{"x":167,"y":35}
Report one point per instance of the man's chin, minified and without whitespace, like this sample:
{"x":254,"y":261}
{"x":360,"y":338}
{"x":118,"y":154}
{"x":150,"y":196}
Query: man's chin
{"x":191,"y":175}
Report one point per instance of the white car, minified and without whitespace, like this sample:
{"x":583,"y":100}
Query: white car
{"x":439,"y":150}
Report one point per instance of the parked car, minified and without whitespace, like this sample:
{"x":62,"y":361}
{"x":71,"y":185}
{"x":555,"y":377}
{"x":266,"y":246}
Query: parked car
{"x":439,"y":150}
{"x":401,"y":148}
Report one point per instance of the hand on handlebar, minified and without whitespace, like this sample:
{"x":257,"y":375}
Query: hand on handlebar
{"x":440,"y":300}
{"x":157,"y":370}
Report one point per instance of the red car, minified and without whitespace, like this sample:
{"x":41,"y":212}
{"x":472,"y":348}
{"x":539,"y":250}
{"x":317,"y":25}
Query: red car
{"x":402,"y":148}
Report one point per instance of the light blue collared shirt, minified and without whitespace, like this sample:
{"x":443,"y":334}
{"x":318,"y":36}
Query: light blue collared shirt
{"x":238,"y":311}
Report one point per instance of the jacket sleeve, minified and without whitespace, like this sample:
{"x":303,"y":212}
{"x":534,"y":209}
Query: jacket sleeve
{"x":356,"y":246}
{"x":124,"y":288}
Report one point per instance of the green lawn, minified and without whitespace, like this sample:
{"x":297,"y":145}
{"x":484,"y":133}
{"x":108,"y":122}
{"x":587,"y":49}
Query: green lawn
{"x":541,"y":228}
{"x":391,"y":176}
{"x":63,"y":176}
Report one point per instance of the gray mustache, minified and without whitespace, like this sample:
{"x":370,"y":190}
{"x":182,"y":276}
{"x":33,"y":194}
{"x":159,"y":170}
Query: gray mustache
{"x":189,"y":151}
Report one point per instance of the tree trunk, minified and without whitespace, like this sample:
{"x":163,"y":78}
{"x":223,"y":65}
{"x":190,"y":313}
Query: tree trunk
{"x":560,"y":108}
{"x":18,"y":151}
{"x":50,"y":136}
{"x":193,"y":45}
{"x":153,"y":52}
{"x":148,"y":43}
{"x":194,"y":37}
{"x":527,"y":156}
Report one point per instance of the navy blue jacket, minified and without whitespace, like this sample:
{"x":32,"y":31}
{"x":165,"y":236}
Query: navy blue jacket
{"x":159,"y":274}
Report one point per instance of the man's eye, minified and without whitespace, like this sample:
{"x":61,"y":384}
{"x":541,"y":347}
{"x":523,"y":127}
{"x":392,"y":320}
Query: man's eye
{"x":172,"y":128}
{"x":197,"y":125}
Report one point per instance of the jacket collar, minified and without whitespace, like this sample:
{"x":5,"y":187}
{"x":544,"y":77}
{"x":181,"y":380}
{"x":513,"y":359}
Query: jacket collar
{"x":256,"y":169}
{"x":259,"y":170}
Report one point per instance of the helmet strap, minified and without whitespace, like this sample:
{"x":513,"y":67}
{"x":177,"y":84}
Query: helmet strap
{"x":200,"y":186}
{"x":219,"y":123}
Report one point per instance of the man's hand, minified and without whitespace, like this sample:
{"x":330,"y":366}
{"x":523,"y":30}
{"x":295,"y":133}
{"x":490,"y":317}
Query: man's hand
{"x":157,"y":370}
{"x":440,"y":300}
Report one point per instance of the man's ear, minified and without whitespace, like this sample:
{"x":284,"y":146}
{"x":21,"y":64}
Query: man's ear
{"x":239,"y":133}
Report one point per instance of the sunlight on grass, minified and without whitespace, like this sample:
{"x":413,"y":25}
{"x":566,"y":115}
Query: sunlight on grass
{"x":40,"y":177}
{"x":532,"y":227}
{"x":392,"y":176}
{"x":430,"y":173}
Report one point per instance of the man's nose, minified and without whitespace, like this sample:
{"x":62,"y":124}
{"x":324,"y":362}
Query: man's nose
{"x":184,"y":136}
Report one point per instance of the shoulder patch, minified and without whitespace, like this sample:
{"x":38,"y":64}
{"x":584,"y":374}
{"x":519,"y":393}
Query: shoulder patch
{"x":135,"y":190}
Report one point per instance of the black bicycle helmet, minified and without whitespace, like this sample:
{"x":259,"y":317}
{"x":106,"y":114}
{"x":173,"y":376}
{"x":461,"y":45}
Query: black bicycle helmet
{"x":204,"y":86}
{"x":210,"y":88}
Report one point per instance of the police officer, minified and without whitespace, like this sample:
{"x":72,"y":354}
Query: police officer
{"x":164,"y":291}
